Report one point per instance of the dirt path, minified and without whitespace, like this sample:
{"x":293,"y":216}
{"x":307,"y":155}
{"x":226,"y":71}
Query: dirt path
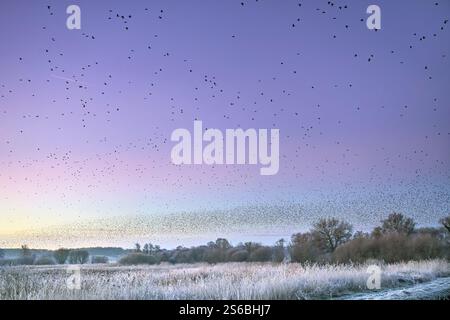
{"x":435,"y":289}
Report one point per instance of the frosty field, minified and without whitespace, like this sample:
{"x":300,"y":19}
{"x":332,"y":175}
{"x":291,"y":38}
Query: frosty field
{"x":221,"y":281}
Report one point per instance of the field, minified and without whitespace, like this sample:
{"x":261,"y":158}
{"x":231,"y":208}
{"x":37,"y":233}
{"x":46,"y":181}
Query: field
{"x":221,"y":281}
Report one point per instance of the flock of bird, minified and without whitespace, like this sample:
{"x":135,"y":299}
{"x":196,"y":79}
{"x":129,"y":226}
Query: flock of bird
{"x":82,"y":98}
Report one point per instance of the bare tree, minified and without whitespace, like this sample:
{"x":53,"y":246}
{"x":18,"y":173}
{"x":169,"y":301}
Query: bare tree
{"x":329,"y":233}
{"x":446,"y":222}
{"x":397,"y":222}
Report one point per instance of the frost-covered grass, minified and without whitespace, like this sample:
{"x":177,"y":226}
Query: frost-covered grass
{"x":201,"y":281}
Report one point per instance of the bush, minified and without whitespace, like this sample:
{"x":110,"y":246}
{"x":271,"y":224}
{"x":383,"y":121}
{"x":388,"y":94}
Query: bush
{"x":278,"y":254}
{"x":214,"y":255}
{"x":239,"y":256}
{"x":304,"y":249}
{"x":392,"y":247}
{"x":356,"y":250}
{"x":425,"y":246}
{"x":137,"y":258}
{"x":262,"y":254}
{"x":99,"y":259}
{"x":181,"y":255}
{"x":44,"y":260}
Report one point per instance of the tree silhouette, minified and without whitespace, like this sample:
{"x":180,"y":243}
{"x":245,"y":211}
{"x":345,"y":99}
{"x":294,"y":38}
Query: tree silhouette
{"x":397,"y":222}
{"x":329,"y":233}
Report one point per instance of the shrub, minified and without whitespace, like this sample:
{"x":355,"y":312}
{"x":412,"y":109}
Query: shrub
{"x":392,"y":247}
{"x":137,"y":258}
{"x":239,"y":256}
{"x":425,"y":246}
{"x":181,"y":255}
{"x":261,"y":254}
{"x":304,"y":248}
{"x":197,"y":254}
{"x":214,"y":255}
{"x":357,"y":250}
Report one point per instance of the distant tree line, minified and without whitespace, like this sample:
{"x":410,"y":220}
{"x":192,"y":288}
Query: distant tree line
{"x":213,"y":252}
{"x":330,"y":240}
{"x":60,"y":256}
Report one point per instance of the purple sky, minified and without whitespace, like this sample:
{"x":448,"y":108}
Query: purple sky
{"x":86,"y":117}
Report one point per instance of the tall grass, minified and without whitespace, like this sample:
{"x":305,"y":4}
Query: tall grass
{"x":201,"y":281}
